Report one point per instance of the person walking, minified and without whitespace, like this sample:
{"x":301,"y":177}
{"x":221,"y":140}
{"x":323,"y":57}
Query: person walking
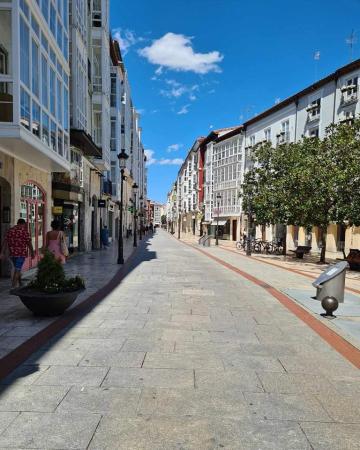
{"x":55,"y":242}
{"x":104,"y":237}
{"x":18,"y":241}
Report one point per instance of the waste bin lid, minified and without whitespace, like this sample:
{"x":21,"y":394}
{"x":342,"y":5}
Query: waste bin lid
{"x":330,"y":273}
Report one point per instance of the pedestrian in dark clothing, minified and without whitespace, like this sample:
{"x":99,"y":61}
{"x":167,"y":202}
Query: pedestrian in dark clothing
{"x":104,"y":237}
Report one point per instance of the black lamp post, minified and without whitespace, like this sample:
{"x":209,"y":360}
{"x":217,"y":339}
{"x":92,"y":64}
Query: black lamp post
{"x":250,"y":217}
{"x":141,"y":217}
{"x":218,"y":198}
{"x":179,"y":222}
{"x":122,"y":163}
{"x":135,"y":189}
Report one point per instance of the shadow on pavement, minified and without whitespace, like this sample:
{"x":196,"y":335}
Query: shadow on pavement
{"x":12,"y":369}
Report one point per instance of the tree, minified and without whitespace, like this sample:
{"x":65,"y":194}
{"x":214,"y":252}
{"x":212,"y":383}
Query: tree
{"x":163,"y":219}
{"x":309,"y":183}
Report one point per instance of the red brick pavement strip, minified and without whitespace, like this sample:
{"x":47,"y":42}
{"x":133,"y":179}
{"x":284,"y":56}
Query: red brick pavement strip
{"x":289,"y":269}
{"x":20,"y":354}
{"x":336,"y":341}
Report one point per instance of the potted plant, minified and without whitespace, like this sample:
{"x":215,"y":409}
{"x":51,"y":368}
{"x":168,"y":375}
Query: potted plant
{"x":50,"y":293}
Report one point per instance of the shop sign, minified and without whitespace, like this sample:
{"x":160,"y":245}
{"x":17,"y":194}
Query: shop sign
{"x":101,"y":203}
{"x":57,"y":210}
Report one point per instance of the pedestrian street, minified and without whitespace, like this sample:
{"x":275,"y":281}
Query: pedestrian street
{"x":183,"y":354}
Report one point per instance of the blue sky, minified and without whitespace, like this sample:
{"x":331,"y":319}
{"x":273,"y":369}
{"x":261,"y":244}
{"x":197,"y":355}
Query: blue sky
{"x":195,"y":65}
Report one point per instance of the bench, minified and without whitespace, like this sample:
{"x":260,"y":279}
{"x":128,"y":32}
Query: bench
{"x":301,"y":250}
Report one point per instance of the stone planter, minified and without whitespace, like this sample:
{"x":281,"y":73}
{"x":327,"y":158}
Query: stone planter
{"x":45,"y":304}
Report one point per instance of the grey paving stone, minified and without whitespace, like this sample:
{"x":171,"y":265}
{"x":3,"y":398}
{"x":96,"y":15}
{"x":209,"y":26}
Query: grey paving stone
{"x":31,"y":398}
{"x":334,"y":436}
{"x":298,"y":407}
{"x":195,"y":433}
{"x":56,"y":358}
{"x":294,"y":383}
{"x":251,"y":362}
{"x":163,"y":378}
{"x":113,"y":359}
{"x":50,"y":431}
{"x":6,"y":418}
{"x":102,"y":400}
{"x":341,"y":408}
{"x":70,"y":376}
{"x":143,"y":345}
{"x":105,"y":344}
{"x":217,"y":380}
{"x":24,"y":375}
{"x":124,"y":324}
{"x":194,"y":402}
{"x":178,"y":361}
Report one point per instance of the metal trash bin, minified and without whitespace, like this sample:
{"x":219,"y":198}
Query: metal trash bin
{"x":331,"y":283}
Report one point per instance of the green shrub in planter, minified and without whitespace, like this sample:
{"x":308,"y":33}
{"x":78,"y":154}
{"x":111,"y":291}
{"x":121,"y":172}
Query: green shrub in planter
{"x":51,"y":277}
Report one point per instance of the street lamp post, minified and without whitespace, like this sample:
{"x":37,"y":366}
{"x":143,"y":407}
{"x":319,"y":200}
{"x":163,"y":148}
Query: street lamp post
{"x":179,"y":222}
{"x":135,"y":188}
{"x":141,"y":217}
{"x":249,"y":226}
{"x":218,"y":198}
{"x":122,"y":163}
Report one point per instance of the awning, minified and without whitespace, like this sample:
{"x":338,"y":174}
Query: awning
{"x":221,"y":222}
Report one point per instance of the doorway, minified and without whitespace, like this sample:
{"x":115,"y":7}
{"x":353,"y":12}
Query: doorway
{"x":5,"y":220}
{"x":234,"y":230}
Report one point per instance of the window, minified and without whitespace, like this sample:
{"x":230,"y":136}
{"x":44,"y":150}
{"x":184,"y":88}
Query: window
{"x":285,"y":130}
{"x":252,"y":141}
{"x":24,"y":53}
{"x":25,"y":109}
{"x":5,"y":42}
{"x":314,"y":109}
{"x":113,"y":134}
{"x":35,"y":120}
{"x":24,"y":7}
{"x":66,"y":109}
{"x":59,"y":109}
{"x":267,"y":133}
{"x":52,"y":20}
{"x":35,"y":26}
{"x":35,"y":68}
{"x":53,"y":136}
{"x":52,"y":92}
{"x":113,"y":90}
{"x":45,"y":9}
{"x":60,"y":143}
{"x":45,"y":129}
{"x":314,"y":132}
{"x":6,"y":102}
{"x":59,"y":34}
{"x":350,"y":90}
{"x":44,"y":82}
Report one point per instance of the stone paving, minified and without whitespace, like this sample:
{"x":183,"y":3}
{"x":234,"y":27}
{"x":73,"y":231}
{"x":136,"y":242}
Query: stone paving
{"x":183,"y":354}
{"x":17,"y":324}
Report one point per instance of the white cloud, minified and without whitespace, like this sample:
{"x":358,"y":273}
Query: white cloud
{"x":174,"y":148}
{"x":211,"y":127}
{"x":178,"y":90}
{"x":126,"y":39}
{"x":174,"y":51}
{"x":141,"y":111}
{"x":149,"y":157}
{"x":184,"y":110}
{"x":171,"y":162}
{"x":163,"y":161}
